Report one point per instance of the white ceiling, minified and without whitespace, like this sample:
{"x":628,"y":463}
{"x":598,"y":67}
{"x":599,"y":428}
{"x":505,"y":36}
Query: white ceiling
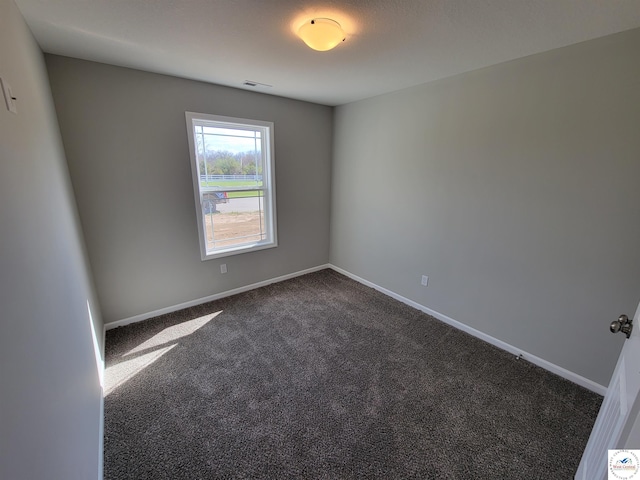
{"x":391,"y":44}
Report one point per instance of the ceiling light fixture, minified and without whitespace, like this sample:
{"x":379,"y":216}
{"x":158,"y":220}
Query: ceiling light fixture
{"x":321,"y":34}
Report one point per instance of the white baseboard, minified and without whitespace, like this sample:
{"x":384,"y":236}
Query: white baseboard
{"x":553,"y":368}
{"x":562,"y":372}
{"x":210,"y":298}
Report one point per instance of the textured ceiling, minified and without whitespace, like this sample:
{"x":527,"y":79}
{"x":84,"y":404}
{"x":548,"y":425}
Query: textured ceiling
{"x":391,"y":44}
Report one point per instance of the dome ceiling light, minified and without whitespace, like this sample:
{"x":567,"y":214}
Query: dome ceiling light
{"x":321,"y":34}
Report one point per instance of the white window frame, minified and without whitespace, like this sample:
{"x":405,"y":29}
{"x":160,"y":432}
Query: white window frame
{"x":268,"y":182}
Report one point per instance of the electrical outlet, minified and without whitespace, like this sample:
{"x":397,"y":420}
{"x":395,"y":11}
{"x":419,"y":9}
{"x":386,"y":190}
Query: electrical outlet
{"x":424,"y":281}
{"x":223,"y":268}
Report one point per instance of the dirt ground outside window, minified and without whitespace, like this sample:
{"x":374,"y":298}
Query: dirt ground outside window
{"x":228,"y":227}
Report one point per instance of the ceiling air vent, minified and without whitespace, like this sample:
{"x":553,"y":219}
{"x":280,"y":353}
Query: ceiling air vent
{"x":251,"y":83}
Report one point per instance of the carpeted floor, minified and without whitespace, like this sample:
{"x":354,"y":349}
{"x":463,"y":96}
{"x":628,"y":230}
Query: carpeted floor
{"x":320,"y":377}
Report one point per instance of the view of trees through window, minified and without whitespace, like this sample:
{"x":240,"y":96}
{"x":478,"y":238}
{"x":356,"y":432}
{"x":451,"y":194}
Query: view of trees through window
{"x":228,"y":163}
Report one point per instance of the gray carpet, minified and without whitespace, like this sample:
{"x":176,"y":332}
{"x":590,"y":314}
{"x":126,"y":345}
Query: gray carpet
{"x":320,"y":377}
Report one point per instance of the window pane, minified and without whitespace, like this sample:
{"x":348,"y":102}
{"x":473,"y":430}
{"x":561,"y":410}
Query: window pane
{"x":229,"y":158}
{"x":233,"y":218}
{"x":230,"y":141}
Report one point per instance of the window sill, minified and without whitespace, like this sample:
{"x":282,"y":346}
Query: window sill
{"x":238,"y":250}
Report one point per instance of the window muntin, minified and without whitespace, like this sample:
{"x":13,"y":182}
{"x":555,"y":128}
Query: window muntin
{"x":232,"y":167}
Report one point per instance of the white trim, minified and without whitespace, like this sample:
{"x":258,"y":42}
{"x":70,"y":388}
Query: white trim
{"x":101,"y":423}
{"x":101,"y":440}
{"x":210,"y":298}
{"x":551,"y":367}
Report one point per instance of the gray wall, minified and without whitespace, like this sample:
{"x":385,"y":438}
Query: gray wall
{"x":125,"y":136}
{"x":50,"y":394}
{"x":515,"y":188}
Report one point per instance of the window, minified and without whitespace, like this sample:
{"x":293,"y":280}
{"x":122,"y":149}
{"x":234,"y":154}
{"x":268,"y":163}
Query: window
{"x":233,"y":180}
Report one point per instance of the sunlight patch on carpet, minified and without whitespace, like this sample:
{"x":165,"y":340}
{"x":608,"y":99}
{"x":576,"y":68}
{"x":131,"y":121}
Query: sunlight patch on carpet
{"x":173,"y":333}
{"x":118,"y":374}
{"x":161,"y":343}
